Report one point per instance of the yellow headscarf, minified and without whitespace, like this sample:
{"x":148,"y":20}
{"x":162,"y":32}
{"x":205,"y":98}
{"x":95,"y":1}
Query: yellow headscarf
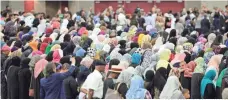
{"x":164,"y":56}
{"x":140,"y":39}
{"x":55,"y":47}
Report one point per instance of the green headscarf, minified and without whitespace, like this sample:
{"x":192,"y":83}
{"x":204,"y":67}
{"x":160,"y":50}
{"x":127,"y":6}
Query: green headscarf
{"x":200,"y":63}
{"x":48,"y":48}
{"x":219,"y":80}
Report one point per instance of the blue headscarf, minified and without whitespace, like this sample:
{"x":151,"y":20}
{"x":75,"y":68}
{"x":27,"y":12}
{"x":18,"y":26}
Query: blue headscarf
{"x":207,"y":79}
{"x":80,"y":53}
{"x":136,"y":90}
{"x":136,"y":58}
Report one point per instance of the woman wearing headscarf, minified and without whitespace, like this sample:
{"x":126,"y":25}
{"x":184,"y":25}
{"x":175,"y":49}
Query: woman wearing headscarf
{"x":24,"y":77}
{"x":34,"y":89}
{"x":224,"y":62}
{"x":51,"y":84}
{"x":219,"y":84}
{"x":188,"y":71}
{"x":159,"y":81}
{"x":172,"y":89}
{"x":84,"y":70}
{"x":207,"y":88}
{"x":211,"y":37}
{"x":197,"y":76}
{"x":149,"y":82}
{"x":136,"y":60}
{"x":57,"y":55}
{"x":172,"y":36}
{"x":215,"y":61}
{"x":12,"y":78}
{"x":137,"y":90}
{"x":163,"y":61}
{"x":224,"y":81}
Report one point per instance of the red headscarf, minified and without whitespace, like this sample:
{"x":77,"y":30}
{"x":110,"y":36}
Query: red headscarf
{"x":43,"y":47}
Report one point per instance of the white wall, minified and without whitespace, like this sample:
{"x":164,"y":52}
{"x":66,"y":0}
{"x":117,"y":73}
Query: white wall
{"x":17,"y":5}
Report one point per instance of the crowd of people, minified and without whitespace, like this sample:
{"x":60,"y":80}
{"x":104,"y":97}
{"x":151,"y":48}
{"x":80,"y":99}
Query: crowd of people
{"x":114,"y":55}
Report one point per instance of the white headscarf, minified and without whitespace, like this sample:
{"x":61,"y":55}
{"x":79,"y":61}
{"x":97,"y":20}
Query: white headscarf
{"x":171,"y":89}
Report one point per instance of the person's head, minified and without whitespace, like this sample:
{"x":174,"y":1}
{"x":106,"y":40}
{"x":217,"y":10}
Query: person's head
{"x":113,"y":62}
{"x":226,"y":7}
{"x":149,"y":76}
{"x":50,"y":69}
{"x":65,"y":67}
{"x":186,"y":93}
{"x":225,"y":93}
{"x":16,"y":61}
{"x":8,"y":8}
{"x":100,"y":65}
{"x":66,"y":9}
{"x":173,"y":33}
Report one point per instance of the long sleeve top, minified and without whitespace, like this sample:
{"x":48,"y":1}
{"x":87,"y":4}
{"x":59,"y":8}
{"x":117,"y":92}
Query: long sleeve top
{"x":50,"y":87}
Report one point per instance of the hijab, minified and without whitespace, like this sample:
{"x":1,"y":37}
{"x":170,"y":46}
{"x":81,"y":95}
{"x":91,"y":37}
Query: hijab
{"x":200,"y":63}
{"x":57,"y":55}
{"x":221,"y":75}
{"x":34,"y":45}
{"x":136,"y":58}
{"x":136,"y":90}
{"x":164,"y":56}
{"x":87,"y":62}
{"x":76,"y":40}
{"x":126,"y":76}
{"x":171,"y":89}
{"x":215,"y":61}
{"x":160,"y":78}
{"x":39,"y":67}
{"x":189,"y":69}
{"x":25,"y":63}
{"x":207,"y":79}
{"x":55,"y":47}
{"x":34,"y":60}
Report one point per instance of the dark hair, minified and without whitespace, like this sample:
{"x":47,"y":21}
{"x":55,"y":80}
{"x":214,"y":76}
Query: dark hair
{"x":49,"y":69}
{"x":67,"y":38}
{"x":188,"y":12}
{"x":226,"y":6}
{"x":49,"y":56}
{"x":113,"y":62}
{"x":173,"y":33}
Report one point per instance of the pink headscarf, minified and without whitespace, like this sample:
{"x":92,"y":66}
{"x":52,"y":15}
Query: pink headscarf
{"x":36,"y":53}
{"x":178,"y":58}
{"x":57,"y":55}
{"x":101,"y":38}
{"x":87,"y":62}
{"x":5,"y":48}
{"x":39,"y":67}
{"x":82,"y":31}
{"x":215,"y":61}
{"x":189,"y":69}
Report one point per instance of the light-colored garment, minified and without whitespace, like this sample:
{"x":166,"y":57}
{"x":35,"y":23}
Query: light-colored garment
{"x":164,"y":56}
{"x":94,"y":81}
{"x":171,"y":89}
{"x":136,"y":90}
{"x":122,"y":19}
{"x":126,"y":75}
{"x":64,"y":24}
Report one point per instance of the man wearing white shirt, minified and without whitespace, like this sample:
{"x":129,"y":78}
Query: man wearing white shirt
{"x":93,"y":85}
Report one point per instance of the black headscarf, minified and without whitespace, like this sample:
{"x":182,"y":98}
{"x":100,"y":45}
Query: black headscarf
{"x":122,"y":44}
{"x":25,"y":63}
{"x":160,"y":78}
{"x":134,"y":45}
{"x":149,"y":76}
{"x":16,"y":61}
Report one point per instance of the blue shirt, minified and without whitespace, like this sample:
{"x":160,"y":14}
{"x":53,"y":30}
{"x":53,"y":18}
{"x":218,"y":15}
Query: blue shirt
{"x":50,"y":87}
